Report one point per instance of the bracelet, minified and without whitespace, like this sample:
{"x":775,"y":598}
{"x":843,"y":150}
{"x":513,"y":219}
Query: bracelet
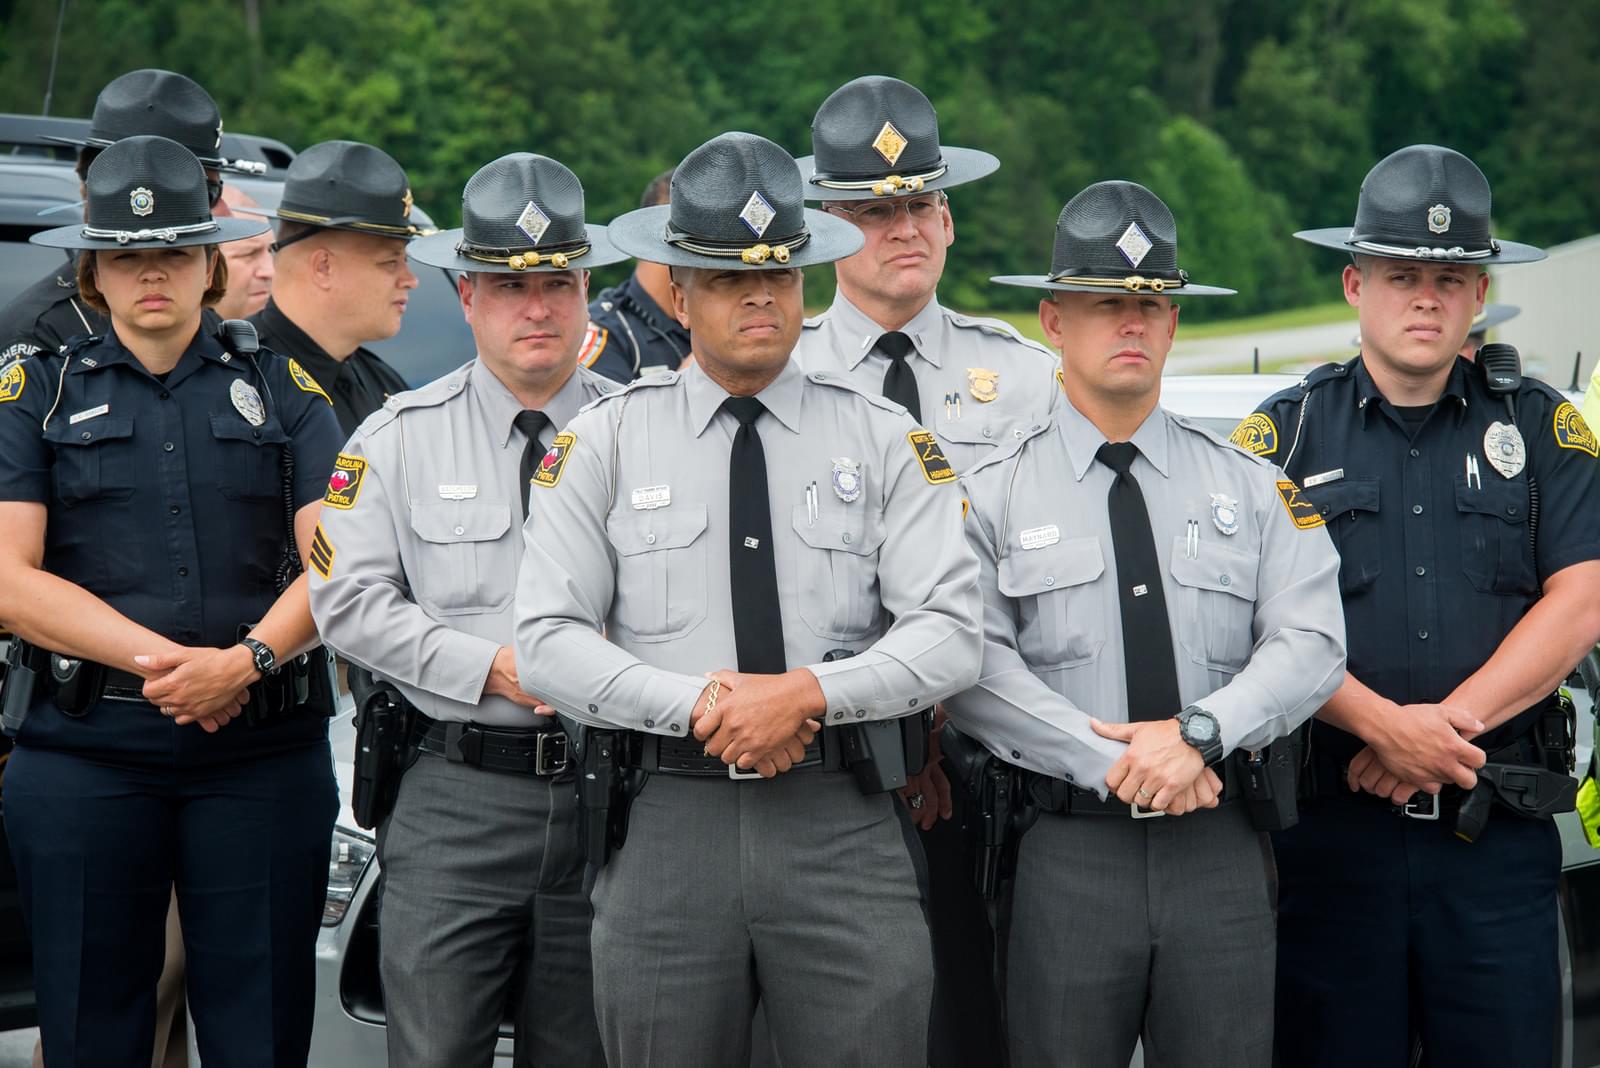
{"x":711,"y":702}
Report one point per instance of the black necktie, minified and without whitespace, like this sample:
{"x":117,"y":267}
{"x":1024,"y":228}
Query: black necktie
{"x":752,"y":573}
{"x":900,"y":382}
{"x":530,"y":423}
{"x":1146,"y":634}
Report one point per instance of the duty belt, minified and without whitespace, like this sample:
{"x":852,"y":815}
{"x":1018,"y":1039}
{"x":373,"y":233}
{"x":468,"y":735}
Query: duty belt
{"x":530,"y":751}
{"x":1063,"y":798}
{"x":658,"y":753}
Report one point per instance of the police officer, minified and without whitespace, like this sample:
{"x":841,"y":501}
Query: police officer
{"x":150,"y":509}
{"x":412,"y":578}
{"x":749,"y":520}
{"x":1154,"y":601}
{"x":48,"y":313}
{"x":1461,"y":498}
{"x":633,"y":331}
{"x":342,"y":276}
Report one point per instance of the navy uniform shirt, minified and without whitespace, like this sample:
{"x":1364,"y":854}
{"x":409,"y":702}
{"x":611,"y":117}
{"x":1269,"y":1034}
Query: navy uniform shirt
{"x":357,"y":385}
{"x":50,"y":313}
{"x":639,"y":335}
{"x":1440,"y":554}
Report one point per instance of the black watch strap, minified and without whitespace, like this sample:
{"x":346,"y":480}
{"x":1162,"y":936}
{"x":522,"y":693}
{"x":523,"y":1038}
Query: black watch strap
{"x":261,"y":655}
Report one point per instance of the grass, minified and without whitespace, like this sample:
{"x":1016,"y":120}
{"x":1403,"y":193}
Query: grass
{"x":1312,"y":315}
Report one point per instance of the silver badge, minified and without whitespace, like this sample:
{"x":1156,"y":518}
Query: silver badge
{"x":1225,"y":513}
{"x":757,"y":214}
{"x":141,"y":202}
{"x":1503,"y":446}
{"x":1133,"y":245}
{"x":1438,"y":219}
{"x":846,"y":478}
{"x":247,"y":402}
{"x":533,"y":222}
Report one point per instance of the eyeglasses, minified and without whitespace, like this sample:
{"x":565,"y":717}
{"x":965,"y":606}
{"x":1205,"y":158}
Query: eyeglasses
{"x":882,"y":213}
{"x":214,"y":190}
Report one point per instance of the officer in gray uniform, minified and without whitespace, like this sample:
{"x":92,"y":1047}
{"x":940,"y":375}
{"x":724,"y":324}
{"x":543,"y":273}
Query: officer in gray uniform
{"x":1155,"y":600}
{"x":414,"y":568}
{"x":751,"y":523}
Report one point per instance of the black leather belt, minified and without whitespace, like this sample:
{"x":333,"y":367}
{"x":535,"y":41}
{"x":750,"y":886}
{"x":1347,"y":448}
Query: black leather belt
{"x":1063,"y":798}
{"x":123,"y":686}
{"x":532,"y":751}
{"x":658,"y":753}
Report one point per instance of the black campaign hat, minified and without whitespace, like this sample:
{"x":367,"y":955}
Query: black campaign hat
{"x":346,"y":185}
{"x":1116,"y":237}
{"x":1424,"y":203}
{"x":144,"y":192}
{"x":520,"y":213}
{"x":738,"y":203}
{"x":160,"y":103}
{"x":878,"y":137}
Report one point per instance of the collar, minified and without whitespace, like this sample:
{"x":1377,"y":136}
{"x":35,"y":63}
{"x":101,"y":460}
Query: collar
{"x":1368,"y":397}
{"x":1083,"y":439}
{"x":781,"y":397}
{"x":501,"y":406}
{"x":923,"y":329}
{"x":298,"y":345}
{"x":111,"y":351}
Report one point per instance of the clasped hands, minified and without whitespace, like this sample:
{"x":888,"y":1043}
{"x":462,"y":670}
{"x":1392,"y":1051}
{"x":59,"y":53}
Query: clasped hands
{"x":203,"y":685}
{"x":1159,"y":771}
{"x":760,"y":722}
{"x":1418,"y":748}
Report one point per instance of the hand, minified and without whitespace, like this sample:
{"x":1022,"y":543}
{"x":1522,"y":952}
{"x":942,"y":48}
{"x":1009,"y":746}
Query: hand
{"x":1158,"y":763}
{"x":1424,"y":743}
{"x":199,"y":685}
{"x":1369,"y":773}
{"x":1204,"y":792}
{"x":931,"y":786}
{"x":502,"y":682}
{"x":758,"y":720}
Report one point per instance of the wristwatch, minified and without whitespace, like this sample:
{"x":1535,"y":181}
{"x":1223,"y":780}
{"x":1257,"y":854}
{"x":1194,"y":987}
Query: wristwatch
{"x":1199,"y":728}
{"x":262,"y":656}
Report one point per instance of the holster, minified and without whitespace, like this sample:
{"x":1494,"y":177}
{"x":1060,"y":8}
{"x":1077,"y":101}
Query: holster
{"x":1268,"y":780}
{"x":885,"y":753}
{"x":607,"y":783}
{"x":1002,"y":811}
{"x":1531,"y":777}
{"x":24,"y":663}
{"x":384,"y":720}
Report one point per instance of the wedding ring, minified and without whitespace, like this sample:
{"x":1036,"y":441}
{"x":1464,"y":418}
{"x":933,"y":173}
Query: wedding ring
{"x":1145,"y":794}
{"x":915,"y":801}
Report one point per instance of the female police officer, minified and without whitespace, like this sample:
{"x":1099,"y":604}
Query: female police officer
{"x":148,"y":483}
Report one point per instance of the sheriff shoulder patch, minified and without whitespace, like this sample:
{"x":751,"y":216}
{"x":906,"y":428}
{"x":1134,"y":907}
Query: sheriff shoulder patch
{"x":13,"y":378}
{"x":555,"y":461}
{"x":935,"y":468}
{"x":303,"y":379}
{"x":594,"y":343}
{"x":1571,"y":431}
{"x":1302,"y":512}
{"x":344,"y":485}
{"x":321,"y":553}
{"x":1256,"y":434}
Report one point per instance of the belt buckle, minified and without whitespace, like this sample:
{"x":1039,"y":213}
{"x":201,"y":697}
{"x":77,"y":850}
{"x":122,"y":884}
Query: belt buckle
{"x":1145,"y":813}
{"x":736,"y":772}
{"x":1419,"y":809}
{"x":552,"y":760}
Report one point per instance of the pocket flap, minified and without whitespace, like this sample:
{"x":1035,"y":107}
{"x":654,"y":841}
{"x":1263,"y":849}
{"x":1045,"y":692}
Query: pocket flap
{"x":843,"y":531}
{"x":1505,"y":498}
{"x":226,"y":426}
{"x":1215,"y":567}
{"x":1030,"y":572}
{"x":674,"y":527}
{"x":1346,"y":495}
{"x":448,"y":522}
{"x":90,"y":432}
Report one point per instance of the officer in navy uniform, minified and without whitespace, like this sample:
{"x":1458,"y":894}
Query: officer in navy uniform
{"x":48,"y":313}
{"x":1418,"y":892}
{"x":149,"y":482}
{"x":634,"y":331}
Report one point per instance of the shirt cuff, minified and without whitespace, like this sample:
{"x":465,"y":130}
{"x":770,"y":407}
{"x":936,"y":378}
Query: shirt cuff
{"x":460,"y":667}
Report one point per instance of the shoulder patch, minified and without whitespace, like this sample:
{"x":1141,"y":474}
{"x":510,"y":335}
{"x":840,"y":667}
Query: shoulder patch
{"x":1257,"y":434}
{"x":321,"y":554}
{"x":594,"y":343}
{"x":1570,"y":429}
{"x":18,"y":349}
{"x":1301,"y":511}
{"x":12,"y":381}
{"x":302,"y":378}
{"x":344,"y":485}
{"x":555,"y":461}
{"x":935,"y":468}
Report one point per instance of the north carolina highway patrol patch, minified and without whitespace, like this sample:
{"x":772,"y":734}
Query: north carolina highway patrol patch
{"x":13,"y":378}
{"x":1302,"y":512}
{"x":1256,"y":434}
{"x":344,"y":485}
{"x":555,"y":461}
{"x":935,"y":468}
{"x":303,"y":379}
{"x":321,"y":553}
{"x":1571,"y":431}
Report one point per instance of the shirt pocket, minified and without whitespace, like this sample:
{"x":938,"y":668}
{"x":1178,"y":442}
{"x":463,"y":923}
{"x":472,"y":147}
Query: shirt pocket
{"x":1496,"y":548}
{"x":94,"y":460}
{"x":1061,"y":621}
{"x":465,"y":563}
{"x":836,"y":571}
{"x":1351,"y":510}
{"x":660,"y":591}
{"x":248,"y":463}
{"x":1216,"y":603}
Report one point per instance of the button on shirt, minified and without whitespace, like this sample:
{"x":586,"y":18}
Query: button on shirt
{"x":357,"y":385}
{"x":623,"y":602}
{"x":1257,"y":630}
{"x":424,"y":561}
{"x":948,"y":349}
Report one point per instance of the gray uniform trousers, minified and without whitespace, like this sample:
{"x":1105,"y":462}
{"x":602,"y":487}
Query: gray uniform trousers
{"x":484,"y":917}
{"x":1162,"y":928}
{"x":798,"y":891}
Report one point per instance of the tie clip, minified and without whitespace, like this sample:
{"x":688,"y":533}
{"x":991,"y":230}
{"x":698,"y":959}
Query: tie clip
{"x":752,"y":543}
{"x":1140,"y":590}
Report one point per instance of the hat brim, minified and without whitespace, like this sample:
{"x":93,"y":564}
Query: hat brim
{"x":439,"y":250}
{"x":1338,"y":237}
{"x":641,"y":233}
{"x":962,"y":165}
{"x":355,"y":226}
{"x":216,"y":163}
{"x":1042,"y":281}
{"x":229,"y":228}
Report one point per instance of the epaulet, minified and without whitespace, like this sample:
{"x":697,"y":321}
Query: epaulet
{"x":598,"y":382}
{"x":1225,"y":444}
{"x":658,"y":378}
{"x":997,"y":327}
{"x":75,"y":346}
{"x":1009,"y":449}
{"x":838,"y":381}
{"x":427,"y":396}
{"x":815,"y":320}
{"x":595,"y":337}
{"x":1539,"y":385}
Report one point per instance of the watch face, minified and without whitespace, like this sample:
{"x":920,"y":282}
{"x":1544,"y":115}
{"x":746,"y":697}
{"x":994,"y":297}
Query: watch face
{"x":1203,"y":728}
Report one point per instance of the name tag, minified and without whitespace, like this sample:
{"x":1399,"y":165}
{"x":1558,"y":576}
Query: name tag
{"x":451,"y":492}
{"x":88,"y":413}
{"x":1039,"y":537}
{"x":647,"y":497}
{"x":1327,"y":476}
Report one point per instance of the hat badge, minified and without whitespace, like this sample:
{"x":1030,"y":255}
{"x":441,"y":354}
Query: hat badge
{"x":405,"y":204}
{"x":890,"y":144}
{"x":1134,"y":245}
{"x":757,"y":214}
{"x":141,"y":202}
{"x":533,"y":222}
{"x":1438,"y":219}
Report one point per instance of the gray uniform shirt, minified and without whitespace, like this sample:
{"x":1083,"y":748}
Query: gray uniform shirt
{"x":418,"y":570}
{"x":1251,"y":586}
{"x":957,"y":360}
{"x":630,"y":533}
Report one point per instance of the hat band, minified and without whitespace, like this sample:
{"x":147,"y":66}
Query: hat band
{"x":1423,"y":252}
{"x":891,"y":185}
{"x":353,"y":222}
{"x":160,"y":233}
{"x":751,"y":254}
{"x":521,"y":261}
{"x":1133,"y":283}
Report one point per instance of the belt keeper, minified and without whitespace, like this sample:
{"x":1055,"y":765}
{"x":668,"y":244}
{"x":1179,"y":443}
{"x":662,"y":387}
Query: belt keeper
{"x":463,"y":744}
